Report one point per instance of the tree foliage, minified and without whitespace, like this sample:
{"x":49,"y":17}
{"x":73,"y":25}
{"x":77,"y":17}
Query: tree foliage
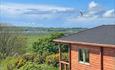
{"x":24,"y":62}
{"x":35,"y":66}
{"x":47,"y":44}
{"x":53,"y":59}
{"x":10,"y":43}
{"x":45,"y":52}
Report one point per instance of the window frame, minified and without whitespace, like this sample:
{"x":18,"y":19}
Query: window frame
{"x":83,"y":59}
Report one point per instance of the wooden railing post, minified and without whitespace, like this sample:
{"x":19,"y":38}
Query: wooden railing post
{"x":65,"y":66}
{"x":60,"y":65}
{"x":69,"y":51}
{"x":59,"y":53}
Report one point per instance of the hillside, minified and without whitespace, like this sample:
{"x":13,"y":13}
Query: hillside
{"x":37,"y":30}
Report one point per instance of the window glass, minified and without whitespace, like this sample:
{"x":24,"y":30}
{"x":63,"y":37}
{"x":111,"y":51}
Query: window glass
{"x":83,"y":55}
{"x":86,"y":56}
{"x":80,"y":55}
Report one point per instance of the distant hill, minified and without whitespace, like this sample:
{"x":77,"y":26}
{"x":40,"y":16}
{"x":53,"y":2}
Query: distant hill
{"x":15,"y":29}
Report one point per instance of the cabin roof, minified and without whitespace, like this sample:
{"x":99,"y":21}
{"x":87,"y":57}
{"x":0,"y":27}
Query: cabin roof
{"x":104,"y":34}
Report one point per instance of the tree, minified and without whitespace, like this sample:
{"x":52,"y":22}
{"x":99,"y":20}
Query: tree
{"x":10,"y":43}
{"x":46,"y":46}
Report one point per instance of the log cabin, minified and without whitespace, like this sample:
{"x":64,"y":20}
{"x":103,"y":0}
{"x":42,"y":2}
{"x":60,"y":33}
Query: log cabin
{"x":91,"y":49}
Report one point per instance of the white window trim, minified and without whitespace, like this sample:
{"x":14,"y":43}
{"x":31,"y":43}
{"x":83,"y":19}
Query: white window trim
{"x":84,"y":63}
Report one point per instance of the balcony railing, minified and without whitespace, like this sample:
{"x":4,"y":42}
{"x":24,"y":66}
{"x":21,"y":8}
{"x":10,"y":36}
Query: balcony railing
{"x":64,"y":64}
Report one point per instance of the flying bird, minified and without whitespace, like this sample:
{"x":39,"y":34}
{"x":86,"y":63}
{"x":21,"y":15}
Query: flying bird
{"x":81,"y":13}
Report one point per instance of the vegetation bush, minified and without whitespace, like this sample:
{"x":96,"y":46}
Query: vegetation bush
{"x":65,"y":56}
{"x":46,"y":44}
{"x":29,"y":56}
{"x":44,"y":54}
{"x":8,"y":63}
{"x":15,"y":62}
{"x":34,"y":57}
{"x":18,"y":53}
{"x":35,"y":66}
{"x":54,"y":59}
{"x":11,"y":44}
{"x":19,"y":63}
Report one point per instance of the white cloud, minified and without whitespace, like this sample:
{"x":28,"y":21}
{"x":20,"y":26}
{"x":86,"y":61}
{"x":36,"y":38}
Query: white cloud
{"x":33,"y":7}
{"x":109,"y":13}
{"x":80,"y":19}
{"x":43,"y":11}
{"x":95,"y":9}
{"x":95,"y":13}
{"x":89,"y":21}
{"x":93,"y":5}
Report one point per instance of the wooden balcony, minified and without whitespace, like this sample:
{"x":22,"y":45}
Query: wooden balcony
{"x":64,"y":64}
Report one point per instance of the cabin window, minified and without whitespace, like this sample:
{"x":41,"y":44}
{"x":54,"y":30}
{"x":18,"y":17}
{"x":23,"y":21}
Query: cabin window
{"x":83,"y":55}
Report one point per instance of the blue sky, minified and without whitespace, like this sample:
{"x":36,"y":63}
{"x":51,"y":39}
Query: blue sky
{"x":57,"y":13}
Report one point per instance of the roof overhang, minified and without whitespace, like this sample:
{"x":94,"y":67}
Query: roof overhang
{"x":84,"y":43}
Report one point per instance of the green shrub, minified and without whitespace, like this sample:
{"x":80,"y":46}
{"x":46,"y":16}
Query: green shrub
{"x":29,"y":61}
{"x":35,"y":66}
{"x":20,"y":62}
{"x":11,"y":45}
{"x":64,"y":56}
{"x":29,"y":66}
{"x":35,"y":57}
{"x":46,"y":44}
{"x":29,"y":56}
{"x":52,"y":59}
{"x":8,"y":63}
